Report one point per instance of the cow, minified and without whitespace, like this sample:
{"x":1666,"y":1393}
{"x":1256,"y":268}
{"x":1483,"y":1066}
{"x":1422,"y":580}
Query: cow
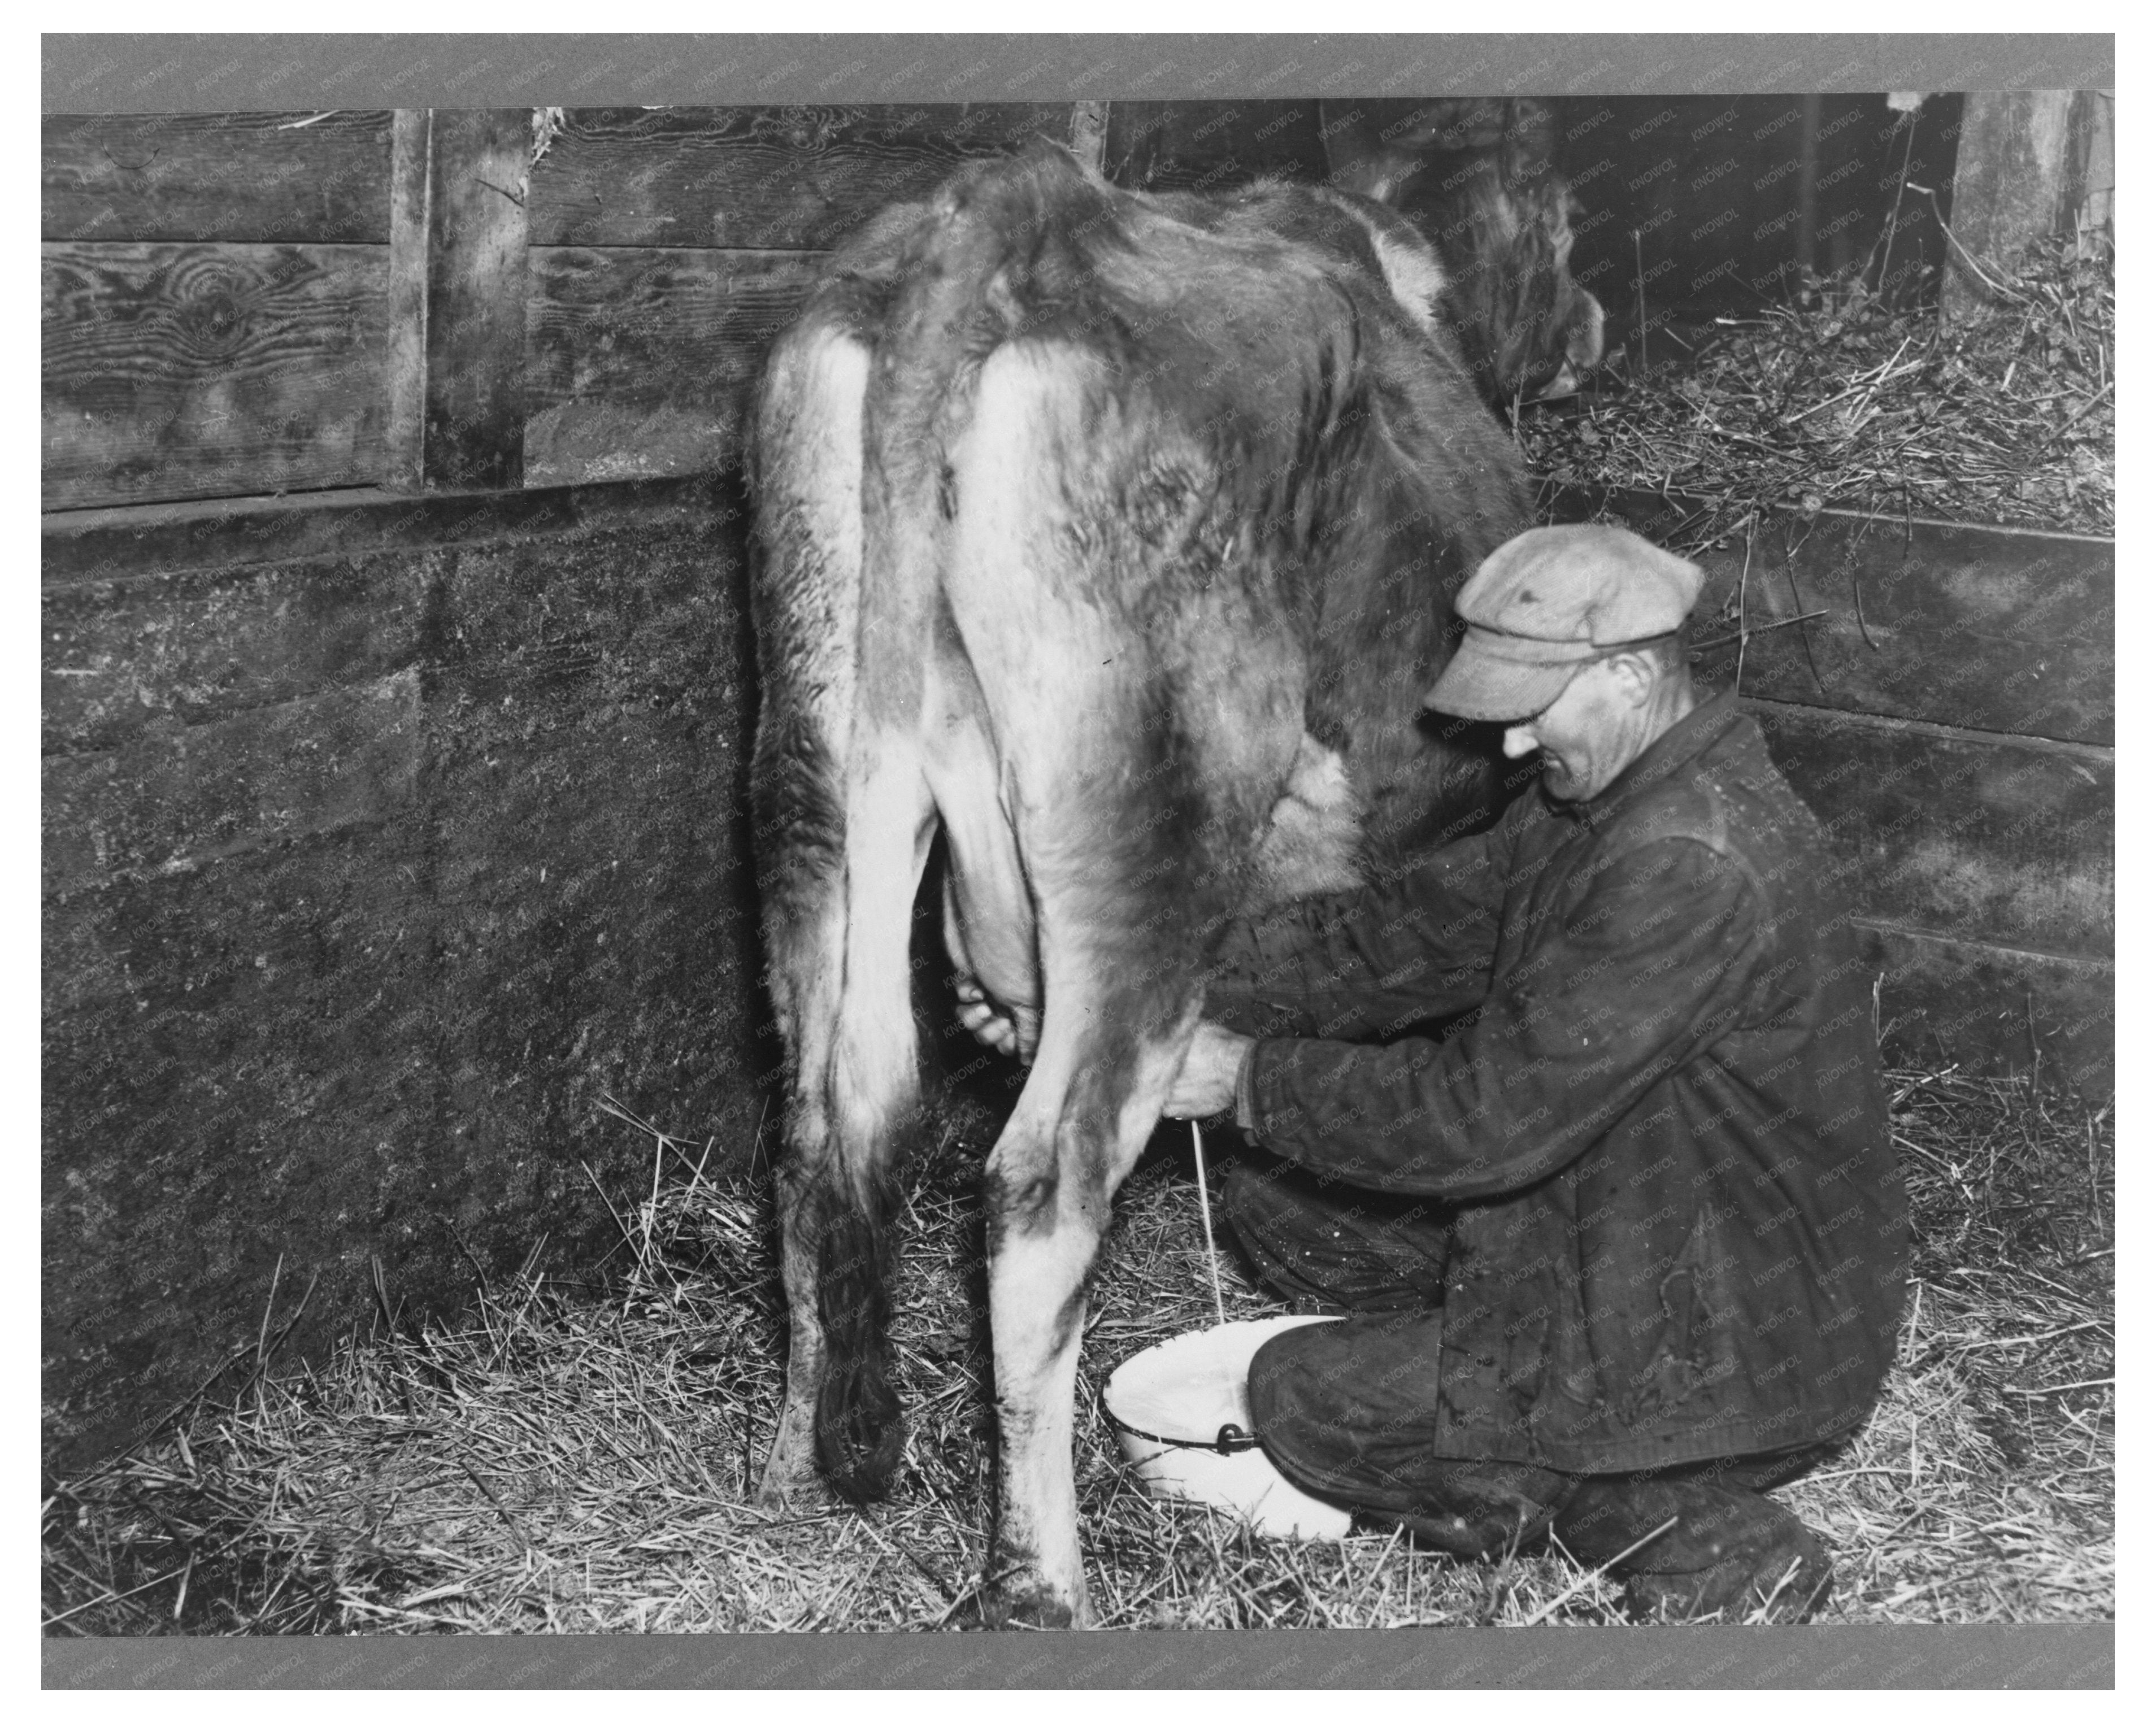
{"x":1474,"y":176}
{"x":1114,"y":535}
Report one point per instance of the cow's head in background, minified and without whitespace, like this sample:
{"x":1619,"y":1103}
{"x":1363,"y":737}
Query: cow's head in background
{"x":1478,"y":178}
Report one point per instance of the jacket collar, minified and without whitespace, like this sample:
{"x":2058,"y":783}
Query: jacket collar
{"x":1682,"y":743}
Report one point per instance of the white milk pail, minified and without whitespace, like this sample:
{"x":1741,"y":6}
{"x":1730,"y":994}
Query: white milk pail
{"x":1182,"y":1410}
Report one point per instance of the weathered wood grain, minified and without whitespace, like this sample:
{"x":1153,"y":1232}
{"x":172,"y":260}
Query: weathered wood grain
{"x":761,"y":178}
{"x":473,"y":230}
{"x":641,"y":363}
{"x":2019,"y":175}
{"x":404,"y":388}
{"x":1201,"y":146}
{"x":1956,"y":835}
{"x":292,"y":179}
{"x":1979,"y":627}
{"x":1089,"y":133}
{"x":178,"y":371}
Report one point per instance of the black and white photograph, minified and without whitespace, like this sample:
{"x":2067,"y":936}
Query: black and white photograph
{"x":979,"y":836}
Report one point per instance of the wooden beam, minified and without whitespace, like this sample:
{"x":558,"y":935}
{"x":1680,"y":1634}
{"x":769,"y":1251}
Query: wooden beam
{"x":2014,"y":180}
{"x":2089,"y":131}
{"x":777,"y":179}
{"x":99,"y":548}
{"x":301,"y":179}
{"x":1808,"y":165}
{"x":1089,"y":133}
{"x":458,"y":239}
{"x":1204,"y":145}
{"x":404,"y":466}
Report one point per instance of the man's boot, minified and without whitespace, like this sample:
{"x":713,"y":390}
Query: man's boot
{"x":1731,"y":1550}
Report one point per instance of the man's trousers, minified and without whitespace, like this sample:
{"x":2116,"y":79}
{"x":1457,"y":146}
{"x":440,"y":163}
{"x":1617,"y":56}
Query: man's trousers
{"x":1347,"y":1410}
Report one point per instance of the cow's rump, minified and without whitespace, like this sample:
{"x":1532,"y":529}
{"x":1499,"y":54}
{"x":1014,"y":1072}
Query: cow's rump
{"x":1253,"y":474}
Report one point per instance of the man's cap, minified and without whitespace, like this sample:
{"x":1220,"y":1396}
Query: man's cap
{"x":1549,"y":601}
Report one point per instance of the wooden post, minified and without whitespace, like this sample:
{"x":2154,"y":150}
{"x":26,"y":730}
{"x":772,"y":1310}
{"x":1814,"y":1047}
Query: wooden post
{"x":403,"y":464}
{"x":458,"y":280}
{"x":1088,"y":134}
{"x":2088,"y":129}
{"x":1808,"y":163}
{"x":2023,"y":168}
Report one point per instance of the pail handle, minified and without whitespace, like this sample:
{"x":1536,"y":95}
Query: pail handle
{"x":1229,"y":1438}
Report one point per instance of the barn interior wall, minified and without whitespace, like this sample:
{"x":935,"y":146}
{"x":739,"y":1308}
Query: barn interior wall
{"x":222,"y":313}
{"x":381,"y":845}
{"x":1702,"y":206}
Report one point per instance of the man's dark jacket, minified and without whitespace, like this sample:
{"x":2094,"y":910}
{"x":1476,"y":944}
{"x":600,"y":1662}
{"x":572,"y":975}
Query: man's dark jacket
{"x":1682,"y":1232}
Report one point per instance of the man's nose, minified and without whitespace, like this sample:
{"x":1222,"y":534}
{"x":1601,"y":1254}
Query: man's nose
{"x":1519,"y":740}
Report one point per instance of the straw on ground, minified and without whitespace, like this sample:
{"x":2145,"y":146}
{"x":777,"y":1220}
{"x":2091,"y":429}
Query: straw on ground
{"x":580,"y":1457}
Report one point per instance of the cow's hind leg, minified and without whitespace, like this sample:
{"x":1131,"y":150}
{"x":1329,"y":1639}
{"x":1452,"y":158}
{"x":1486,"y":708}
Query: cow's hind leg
{"x":1113,"y":1036}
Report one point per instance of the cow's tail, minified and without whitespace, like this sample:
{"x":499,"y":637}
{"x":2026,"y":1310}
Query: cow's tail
{"x":839,"y":989}
{"x":962,"y":276}
{"x":859,"y":1433}
{"x":1002,"y":247}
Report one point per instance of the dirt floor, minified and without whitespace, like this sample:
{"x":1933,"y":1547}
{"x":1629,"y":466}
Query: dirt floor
{"x":579,"y":1458}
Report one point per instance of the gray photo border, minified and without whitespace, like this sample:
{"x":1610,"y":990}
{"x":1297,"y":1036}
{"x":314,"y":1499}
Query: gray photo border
{"x":168,"y":74}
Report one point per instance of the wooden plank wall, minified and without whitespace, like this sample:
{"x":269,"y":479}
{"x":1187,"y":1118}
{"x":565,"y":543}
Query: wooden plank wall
{"x":669,"y":246}
{"x":216,"y":304}
{"x":1704,"y":205}
{"x":629,"y":266}
{"x":244,"y":305}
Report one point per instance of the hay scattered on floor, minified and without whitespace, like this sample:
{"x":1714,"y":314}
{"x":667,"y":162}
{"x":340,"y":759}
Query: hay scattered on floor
{"x":1848,"y":403}
{"x":579,"y":1458}
{"x":1982,"y":1488}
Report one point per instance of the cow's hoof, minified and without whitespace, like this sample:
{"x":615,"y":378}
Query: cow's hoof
{"x":787,"y":1486}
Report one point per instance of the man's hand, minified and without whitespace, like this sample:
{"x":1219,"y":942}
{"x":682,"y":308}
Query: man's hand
{"x":1206,"y":1083}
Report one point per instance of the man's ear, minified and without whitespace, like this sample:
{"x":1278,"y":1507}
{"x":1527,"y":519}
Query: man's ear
{"x":1635,"y":674}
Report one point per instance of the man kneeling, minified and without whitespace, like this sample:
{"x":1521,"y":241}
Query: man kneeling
{"x":1628,"y":1246}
